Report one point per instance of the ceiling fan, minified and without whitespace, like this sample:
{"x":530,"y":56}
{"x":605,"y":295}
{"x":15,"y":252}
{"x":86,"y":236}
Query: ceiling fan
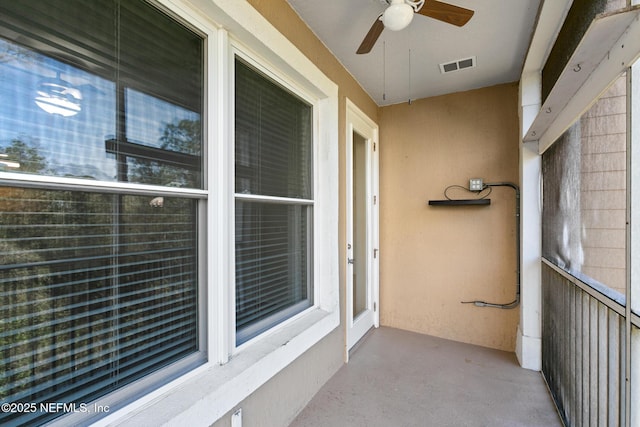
{"x":400,"y":13}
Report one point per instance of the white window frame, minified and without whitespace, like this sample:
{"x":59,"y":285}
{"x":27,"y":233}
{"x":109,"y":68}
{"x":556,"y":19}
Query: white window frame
{"x":285,"y":82}
{"x":231,"y":374}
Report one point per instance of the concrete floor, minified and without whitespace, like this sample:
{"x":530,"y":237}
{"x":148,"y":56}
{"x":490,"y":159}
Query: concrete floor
{"x":397,"y":378}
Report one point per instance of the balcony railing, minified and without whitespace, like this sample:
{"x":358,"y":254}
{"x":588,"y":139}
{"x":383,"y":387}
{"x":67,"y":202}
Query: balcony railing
{"x":583,"y":350}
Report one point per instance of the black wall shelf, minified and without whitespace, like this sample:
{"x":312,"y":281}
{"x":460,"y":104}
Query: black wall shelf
{"x":462,"y":202}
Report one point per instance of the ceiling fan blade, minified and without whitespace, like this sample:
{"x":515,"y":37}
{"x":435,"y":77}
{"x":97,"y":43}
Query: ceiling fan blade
{"x":446,"y":12}
{"x":371,"y":37}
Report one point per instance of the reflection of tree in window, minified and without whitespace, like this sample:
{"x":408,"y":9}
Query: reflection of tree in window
{"x":54,"y":248}
{"x":24,"y":155}
{"x":26,"y":295}
{"x":181,"y":137}
{"x":81,"y":286}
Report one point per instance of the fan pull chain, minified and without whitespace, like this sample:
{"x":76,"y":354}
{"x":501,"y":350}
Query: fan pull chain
{"x":384,"y":70}
{"x":409,"y":76}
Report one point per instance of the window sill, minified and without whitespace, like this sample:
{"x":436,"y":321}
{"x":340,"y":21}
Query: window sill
{"x":206,"y":394}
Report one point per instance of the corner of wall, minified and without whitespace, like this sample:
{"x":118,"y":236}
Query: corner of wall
{"x":529,"y":351}
{"x":528,"y":339}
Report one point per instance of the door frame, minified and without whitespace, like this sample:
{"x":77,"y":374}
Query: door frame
{"x":360,"y":123}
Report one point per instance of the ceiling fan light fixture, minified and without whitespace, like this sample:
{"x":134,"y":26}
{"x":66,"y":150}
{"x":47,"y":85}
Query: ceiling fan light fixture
{"x":397,"y":16}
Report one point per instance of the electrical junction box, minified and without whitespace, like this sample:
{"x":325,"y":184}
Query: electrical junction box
{"x":476,"y":184}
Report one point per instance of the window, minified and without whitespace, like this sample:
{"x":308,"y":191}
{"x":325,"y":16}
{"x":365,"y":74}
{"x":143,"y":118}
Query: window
{"x":101,"y":179}
{"x":274,"y":202}
{"x":117,"y":278}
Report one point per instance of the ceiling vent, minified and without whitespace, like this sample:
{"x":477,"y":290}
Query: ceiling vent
{"x":458,"y":65}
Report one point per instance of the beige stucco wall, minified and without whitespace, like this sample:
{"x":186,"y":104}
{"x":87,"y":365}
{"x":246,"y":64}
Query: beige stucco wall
{"x":276,"y":403}
{"x":432,"y":258}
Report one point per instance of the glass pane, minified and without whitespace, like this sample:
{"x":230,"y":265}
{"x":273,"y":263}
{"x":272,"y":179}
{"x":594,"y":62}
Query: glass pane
{"x":584,"y":206}
{"x":97,"y":290}
{"x":100,"y":95}
{"x":360,"y":270}
{"x":272,"y":265}
{"x":273,"y":139}
{"x":164,"y":142}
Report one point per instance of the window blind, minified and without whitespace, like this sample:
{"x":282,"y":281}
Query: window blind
{"x":273,"y":138}
{"x":272,"y":264}
{"x":273,"y":158}
{"x":97,"y":290}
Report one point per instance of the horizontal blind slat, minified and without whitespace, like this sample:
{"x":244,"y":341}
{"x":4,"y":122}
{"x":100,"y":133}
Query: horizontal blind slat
{"x":170,"y":328}
{"x":96,"y":331}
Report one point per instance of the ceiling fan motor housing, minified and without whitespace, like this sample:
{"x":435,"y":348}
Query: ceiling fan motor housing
{"x":397,"y":16}
{"x":400,"y":13}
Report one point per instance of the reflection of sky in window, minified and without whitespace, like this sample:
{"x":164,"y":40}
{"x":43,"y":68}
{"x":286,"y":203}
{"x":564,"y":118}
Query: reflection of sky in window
{"x":73,"y":145}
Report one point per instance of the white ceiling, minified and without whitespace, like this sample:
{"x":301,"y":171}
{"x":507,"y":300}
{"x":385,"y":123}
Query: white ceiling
{"x":404,"y":65}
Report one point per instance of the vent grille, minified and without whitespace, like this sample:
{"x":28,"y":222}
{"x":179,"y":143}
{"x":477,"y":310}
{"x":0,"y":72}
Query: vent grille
{"x":458,"y":65}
